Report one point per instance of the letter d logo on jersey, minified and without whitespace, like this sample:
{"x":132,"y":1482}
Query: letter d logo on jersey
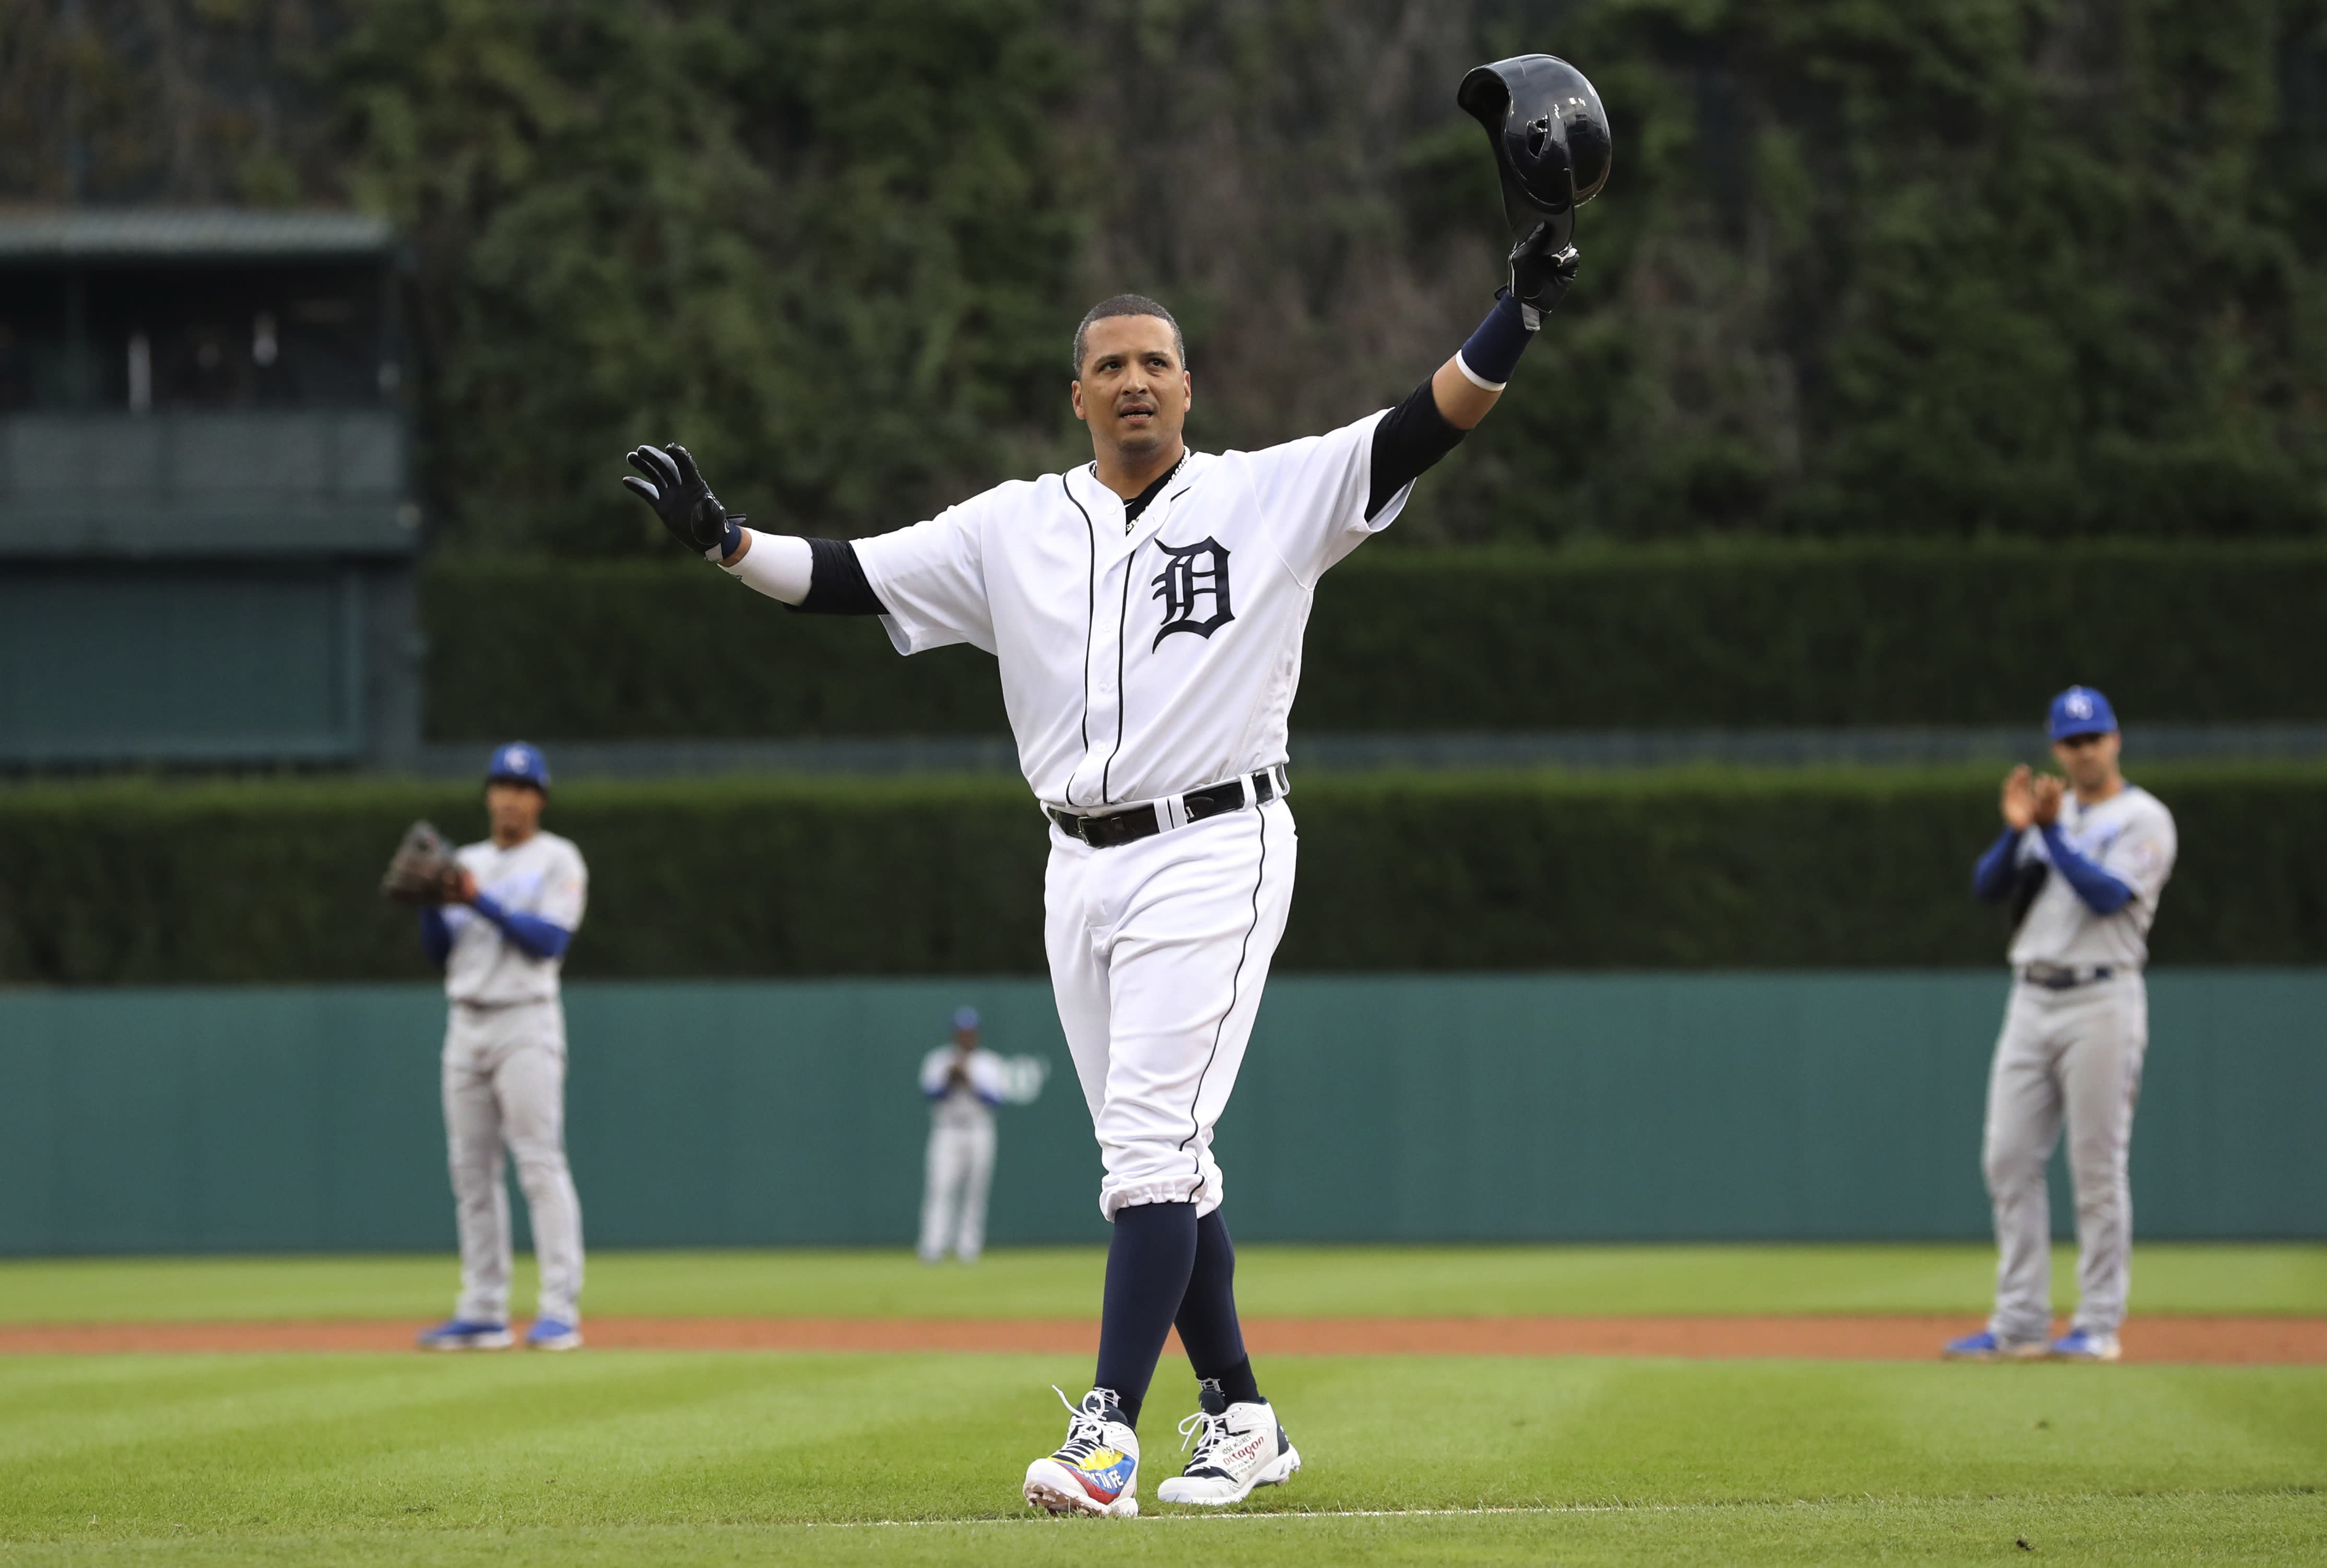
{"x":1193,"y":574}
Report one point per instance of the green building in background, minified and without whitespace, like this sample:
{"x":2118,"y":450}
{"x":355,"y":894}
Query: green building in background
{"x":207,"y":532}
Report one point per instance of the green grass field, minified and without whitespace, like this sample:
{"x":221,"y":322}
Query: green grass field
{"x":639,"y":1457}
{"x":1271,"y":1281}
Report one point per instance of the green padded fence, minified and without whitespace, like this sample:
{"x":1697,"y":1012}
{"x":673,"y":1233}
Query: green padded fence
{"x":1480,"y":1108}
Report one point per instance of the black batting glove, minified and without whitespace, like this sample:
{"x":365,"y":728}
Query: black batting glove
{"x":676,"y":490}
{"x":1540,"y":274}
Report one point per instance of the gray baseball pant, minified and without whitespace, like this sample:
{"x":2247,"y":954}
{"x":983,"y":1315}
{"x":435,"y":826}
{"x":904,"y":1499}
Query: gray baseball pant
{"x":2075,"y":1052}
{"x":505,"y":1095}
{"x":953,"y":1201}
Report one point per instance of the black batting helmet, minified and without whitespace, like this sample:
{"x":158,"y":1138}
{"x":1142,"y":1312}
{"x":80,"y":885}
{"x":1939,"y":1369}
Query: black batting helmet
{"x":1550,"y":136}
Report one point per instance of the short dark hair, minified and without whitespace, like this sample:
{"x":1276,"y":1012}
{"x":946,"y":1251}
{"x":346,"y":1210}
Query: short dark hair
{"x":1128,"y":304}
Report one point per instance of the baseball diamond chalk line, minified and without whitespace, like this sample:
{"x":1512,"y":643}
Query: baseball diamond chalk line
{"x":1192,"y":1515}
{"x":2211,"y":1341}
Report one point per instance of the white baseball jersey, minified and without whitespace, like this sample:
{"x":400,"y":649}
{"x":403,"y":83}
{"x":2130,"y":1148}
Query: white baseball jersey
{"x":1145,"y":661}
{"x":963,"y":1105}
{"x":2131,"y":837}
{"x":543,"y":876}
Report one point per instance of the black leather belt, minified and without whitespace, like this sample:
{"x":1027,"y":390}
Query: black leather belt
{"x":1120,"y":828}
{"x":2063,"y":978}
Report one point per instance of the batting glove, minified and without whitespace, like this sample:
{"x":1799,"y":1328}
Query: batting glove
{"x":676,"y":490}
{"x":1540,"y":274}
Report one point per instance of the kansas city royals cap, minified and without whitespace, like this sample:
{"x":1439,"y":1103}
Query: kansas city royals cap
{"x":2082,"y":710}
{"x":519,"y":763}
{"x":965,"y":1018}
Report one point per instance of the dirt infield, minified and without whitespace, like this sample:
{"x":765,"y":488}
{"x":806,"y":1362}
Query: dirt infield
{"x":2212,"y":1341}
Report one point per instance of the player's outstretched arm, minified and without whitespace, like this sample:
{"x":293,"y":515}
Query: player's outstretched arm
{"x":822,"y":576}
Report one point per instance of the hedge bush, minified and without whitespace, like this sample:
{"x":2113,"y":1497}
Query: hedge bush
{"x":137,"y":881}
{"x":1735,"y":636}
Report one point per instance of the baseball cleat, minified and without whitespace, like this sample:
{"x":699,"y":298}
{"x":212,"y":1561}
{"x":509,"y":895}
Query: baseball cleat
{"x":1238,"y":1447}
{"x":2082,"y":1345}
{"x":1984,"y":1346}
{"x":466,"y":1334}
{"x":1097,"y":1469}
{"x":550,"y":1334}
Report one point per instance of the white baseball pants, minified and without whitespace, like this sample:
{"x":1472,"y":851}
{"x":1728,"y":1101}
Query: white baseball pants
{"x":953,"y":1201}
{"x":505,"y":1095}
{"x":1158,"y":951}
{"x":2075,"y":1051}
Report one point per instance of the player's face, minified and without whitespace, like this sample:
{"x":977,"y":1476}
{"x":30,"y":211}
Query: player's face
{"x":515,"y":811}
{"x":1134,"y":393}
{"x":2089,"y":760}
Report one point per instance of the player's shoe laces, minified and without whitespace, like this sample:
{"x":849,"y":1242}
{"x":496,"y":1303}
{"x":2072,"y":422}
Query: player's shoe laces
{"x":551,"y":1334}
{"x":1238,"y":1447}
{"x":1984,"y":1346}
{"x":466,"y":1334}
{"x":2082,"y":1345}
{"x":1097,"y":1469}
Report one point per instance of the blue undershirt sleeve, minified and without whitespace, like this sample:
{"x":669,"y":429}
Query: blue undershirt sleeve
{"x":531,"y":933}
{"x":435,"y":935}
{"x":2102,"y":892}
{"x":1992,"y":879}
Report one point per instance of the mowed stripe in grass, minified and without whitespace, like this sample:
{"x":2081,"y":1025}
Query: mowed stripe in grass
{"x":652,"y":1457}
{"x":1272,"y":1281}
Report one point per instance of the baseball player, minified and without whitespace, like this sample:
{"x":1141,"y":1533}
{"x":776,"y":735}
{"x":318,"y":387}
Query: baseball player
{"x":1146,"y":611}
{"x":2083,"y":863}
{"x":963,"y":1083}
{"x":502,"y":941}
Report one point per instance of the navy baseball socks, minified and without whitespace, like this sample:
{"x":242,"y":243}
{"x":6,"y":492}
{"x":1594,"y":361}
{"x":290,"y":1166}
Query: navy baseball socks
{"x":1150,"y":1259}
{"x":1166,"y":1267}
{"x":1207,"y":1318}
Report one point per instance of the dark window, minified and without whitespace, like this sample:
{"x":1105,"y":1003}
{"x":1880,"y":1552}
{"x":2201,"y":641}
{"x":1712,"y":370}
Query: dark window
{"x":212,"y":336}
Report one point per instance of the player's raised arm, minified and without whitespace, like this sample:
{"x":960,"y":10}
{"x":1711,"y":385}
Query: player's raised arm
{"x":1552,"y":149}
{"x":1474,"y":375}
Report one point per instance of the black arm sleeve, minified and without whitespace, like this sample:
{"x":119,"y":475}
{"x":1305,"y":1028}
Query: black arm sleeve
{"x":835,"y":583}
{"x":1409,"y":440}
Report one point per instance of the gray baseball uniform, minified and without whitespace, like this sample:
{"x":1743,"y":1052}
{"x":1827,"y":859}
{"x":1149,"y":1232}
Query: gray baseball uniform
{"x":2072,"y":1043}
{"x":961,"y":1159}
{"x":505,"y":1078}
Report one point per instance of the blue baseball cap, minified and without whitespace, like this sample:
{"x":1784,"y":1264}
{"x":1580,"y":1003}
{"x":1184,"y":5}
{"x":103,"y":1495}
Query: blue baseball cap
{"x":965,"y":1018}
{"x":2082,"y":710}
{"x":519,"y":763}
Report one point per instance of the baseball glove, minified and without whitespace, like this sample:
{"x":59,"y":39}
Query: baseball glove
{"x":422,"y":871}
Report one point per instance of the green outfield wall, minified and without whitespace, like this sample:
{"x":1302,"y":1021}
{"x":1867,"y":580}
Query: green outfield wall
{"x":1478,"y":1107}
